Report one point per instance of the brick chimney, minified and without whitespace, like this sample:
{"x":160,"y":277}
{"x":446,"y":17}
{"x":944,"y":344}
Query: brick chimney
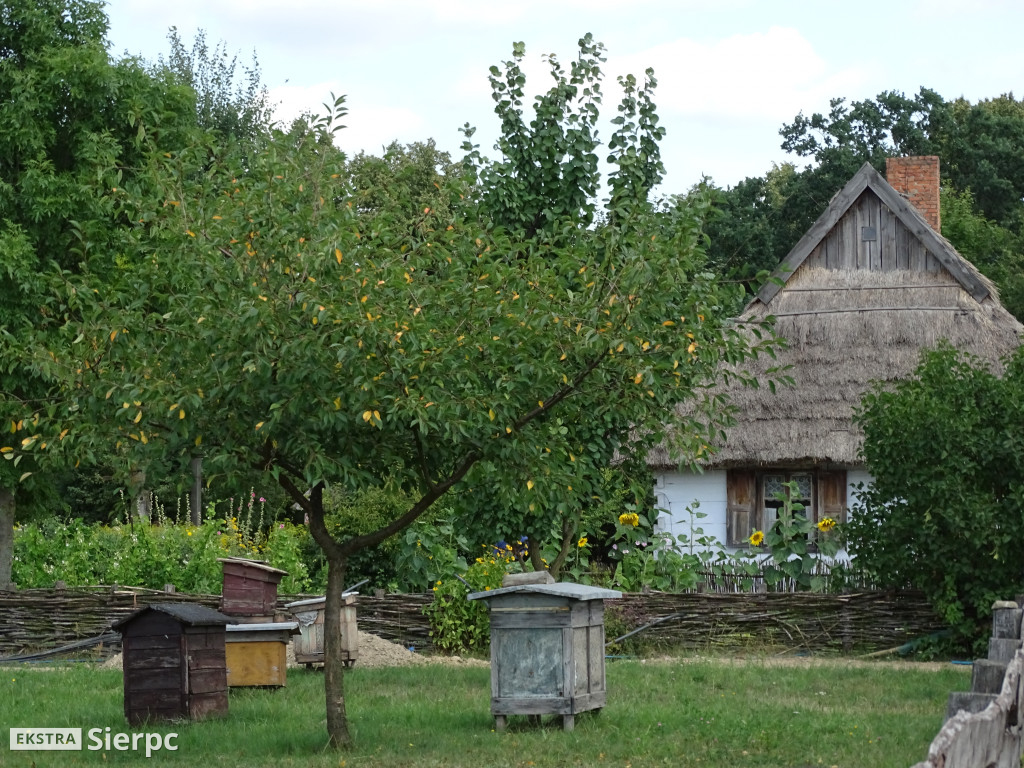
{"x":917,"y":179}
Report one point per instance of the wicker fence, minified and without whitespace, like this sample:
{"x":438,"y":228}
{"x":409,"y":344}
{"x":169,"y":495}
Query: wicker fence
{"x":34,"y":620}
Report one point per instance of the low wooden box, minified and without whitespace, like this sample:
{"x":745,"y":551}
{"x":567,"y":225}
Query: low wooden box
{"x":250,"y":587}
{"x":174,"y":663}
{"x":308,"y":644}
{"x":257,"y":654}
{"x":547,"y":650}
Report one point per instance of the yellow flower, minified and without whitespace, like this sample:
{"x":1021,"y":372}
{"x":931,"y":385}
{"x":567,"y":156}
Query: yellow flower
{"x":826,"y":524}
{"x":629,"y":518}
{"x":757,"y":538}
{"x":582,"y":542}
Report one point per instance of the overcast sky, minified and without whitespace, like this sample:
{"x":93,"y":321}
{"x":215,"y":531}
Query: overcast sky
{"x":730,"y":72}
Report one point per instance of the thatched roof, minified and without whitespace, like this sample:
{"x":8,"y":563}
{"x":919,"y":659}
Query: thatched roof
{"x":849,"y":320}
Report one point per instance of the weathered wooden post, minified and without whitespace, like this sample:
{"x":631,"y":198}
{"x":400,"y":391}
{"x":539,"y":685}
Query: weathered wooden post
{"x":195,"y":497}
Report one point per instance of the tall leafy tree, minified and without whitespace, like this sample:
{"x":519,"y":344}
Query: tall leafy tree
{"x":73,"y":126}
{"x":272,"y":321}
{"x":945,"y":510}
{"x":231,"y":100}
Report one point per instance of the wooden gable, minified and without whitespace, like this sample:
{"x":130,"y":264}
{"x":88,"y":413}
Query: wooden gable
{"x":869,"y":226}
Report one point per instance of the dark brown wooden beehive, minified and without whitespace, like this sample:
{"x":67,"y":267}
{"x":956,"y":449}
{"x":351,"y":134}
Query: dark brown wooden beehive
{"x":174,"y":663}
{"x":250,"y":587}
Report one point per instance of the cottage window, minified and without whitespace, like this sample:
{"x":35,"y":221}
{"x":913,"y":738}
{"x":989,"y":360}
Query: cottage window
{"x":753,"y":503}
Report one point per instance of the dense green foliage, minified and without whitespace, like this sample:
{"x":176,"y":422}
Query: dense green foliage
{"x":74,"y":126}
{"x":945,"y":512}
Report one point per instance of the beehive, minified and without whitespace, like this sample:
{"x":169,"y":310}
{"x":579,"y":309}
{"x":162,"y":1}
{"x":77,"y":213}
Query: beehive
{"x":309,"y":643}
{"x":250,"y":588}
{"x":256,"y":654}
{"x":174,"y":662}
{"x":547,"y":650}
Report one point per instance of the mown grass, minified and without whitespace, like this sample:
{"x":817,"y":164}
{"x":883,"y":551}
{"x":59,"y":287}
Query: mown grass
{"x":674,"y":713}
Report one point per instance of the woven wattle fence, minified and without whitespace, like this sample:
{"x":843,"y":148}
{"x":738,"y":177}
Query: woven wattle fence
{"x":34,"y":620}
{"x":857,"y":622}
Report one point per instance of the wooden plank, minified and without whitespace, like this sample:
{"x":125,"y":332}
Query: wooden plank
{"x":207,"y":681}
{"x":887,"y":237}
{"x":162,"y":698}
{"x":552,"y":705}
{"x":207,"y":658}
{"x":818,"y":257}
{"x":256,"y":664}
{"x":203,"y":706}
{"x":154,"y":658}
{"x":150,"y":642}
{"x":902,"y":237}
{"x":144,"y":680}
{"x":851,"y":238}
{"x":581,"y":660}
{"x":869,"y":218}
{"x":528,"y":619}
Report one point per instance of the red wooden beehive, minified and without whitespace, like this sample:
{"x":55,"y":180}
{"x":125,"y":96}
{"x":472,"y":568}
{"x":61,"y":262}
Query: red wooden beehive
{"x":174,"y":662}
{"x":250,"y":587}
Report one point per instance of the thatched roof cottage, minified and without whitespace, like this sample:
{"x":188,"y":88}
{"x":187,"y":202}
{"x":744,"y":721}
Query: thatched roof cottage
{"x":870,"y":285}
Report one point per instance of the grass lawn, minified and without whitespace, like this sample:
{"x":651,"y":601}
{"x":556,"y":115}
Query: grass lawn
{"x":675,"y":713}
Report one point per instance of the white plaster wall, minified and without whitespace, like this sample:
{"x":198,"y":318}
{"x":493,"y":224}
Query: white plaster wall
{"x":677,"y":490}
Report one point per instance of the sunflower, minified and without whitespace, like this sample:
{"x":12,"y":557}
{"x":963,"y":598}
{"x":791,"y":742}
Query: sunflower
{"x":757,"y":538}
{"x":826,"y":524}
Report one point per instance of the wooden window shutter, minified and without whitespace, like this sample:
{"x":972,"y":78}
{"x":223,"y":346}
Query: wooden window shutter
{"x":832,"y":495}
{"x":741,"y":506}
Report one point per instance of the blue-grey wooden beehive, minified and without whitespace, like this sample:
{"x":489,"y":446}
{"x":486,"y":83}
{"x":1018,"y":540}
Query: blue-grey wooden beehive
{"x":547,"y":650}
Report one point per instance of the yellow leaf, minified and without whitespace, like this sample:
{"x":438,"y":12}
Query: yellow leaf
{"x":529,"y":485}
{"x":109,"y":393}
{"x":490,"y":414}
{"x":113,"y":335}
{"x":337,"y":403}
{"x":669,"y":323}
{"x":181,"y":414}
{"x":199,"y":441}
{"x":142,"y":436}
{"x":508,"y":430}
{"x":315,"y":321}
{"x":376,"y":415}
{"x":6,"y":449}
{"x":638,"y":378}
{"x":138,"y":418}
{"x":692,"y":347}
{"x":367,"y":415}
{"x":540,"y":403}
{"x":62,"y":434}
{"x":260,"y":424}
{"x":337,"y":255}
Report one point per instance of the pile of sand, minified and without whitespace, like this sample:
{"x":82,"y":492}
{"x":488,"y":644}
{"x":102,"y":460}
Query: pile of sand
{"x":373,"y":652}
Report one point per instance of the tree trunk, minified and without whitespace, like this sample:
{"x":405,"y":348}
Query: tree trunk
{"x":334,"y":665}
{"x":195,"y":497}
{"x":6,"y":537}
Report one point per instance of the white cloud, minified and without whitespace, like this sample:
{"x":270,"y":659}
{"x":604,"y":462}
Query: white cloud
{"x":765,"y":75}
